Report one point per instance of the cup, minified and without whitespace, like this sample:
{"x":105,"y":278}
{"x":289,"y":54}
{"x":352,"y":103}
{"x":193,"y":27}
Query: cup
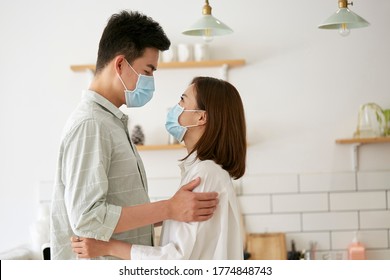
{"x":169,"y":55}
{"x":201,"y":52}
{"x":172,"y":140}
{"x":184,"y":52}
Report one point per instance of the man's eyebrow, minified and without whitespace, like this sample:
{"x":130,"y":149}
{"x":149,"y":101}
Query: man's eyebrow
{"x":151,"y":66}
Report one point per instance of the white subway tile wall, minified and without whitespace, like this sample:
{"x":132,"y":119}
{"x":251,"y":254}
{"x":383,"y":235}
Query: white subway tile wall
{"x":388,"y":199}
{"x":255,"y":204}
{"x":280,"y":183}
{"x":358,"y":201}
{"x":300,"y":203}
{"x":325,"y":208}
{"x":330,"y":221}
{"x":272,"y":223}
{"x":373,"y":180}
{"x":374,"y":239}
{"x":327,"y":182}
{"x":375,"y":219}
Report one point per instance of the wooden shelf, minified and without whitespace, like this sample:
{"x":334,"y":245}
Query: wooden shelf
{"x":82,"y":67}
{"x":356,"y":142}
{"x":167,"y":65}
{"x":363,"y":140}
{"x":208,"y":63}
{"x":159,"y":147}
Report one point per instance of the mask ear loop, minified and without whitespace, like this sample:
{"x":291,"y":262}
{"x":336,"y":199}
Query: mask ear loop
{"x":120,"y":79}
{"x":138,"y":75}
{"x":192,"y":125}
{"x":132,"y":68}
{"x":194,"y":110}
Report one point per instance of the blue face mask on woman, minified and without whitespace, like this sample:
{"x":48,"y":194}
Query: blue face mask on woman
{"x":172,"y":124}
{"x":143,"y":91}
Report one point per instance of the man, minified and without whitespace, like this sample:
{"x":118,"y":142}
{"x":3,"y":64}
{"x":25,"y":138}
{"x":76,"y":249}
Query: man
{"x":101,"y":187}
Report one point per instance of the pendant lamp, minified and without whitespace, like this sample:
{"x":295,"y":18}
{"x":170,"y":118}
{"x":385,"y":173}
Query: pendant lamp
{"x":344,"y":19}
{"x":208,"y":26}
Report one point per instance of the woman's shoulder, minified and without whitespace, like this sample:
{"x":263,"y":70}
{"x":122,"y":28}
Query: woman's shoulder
{"x":214,"y":177}
{"x":209,"y":166}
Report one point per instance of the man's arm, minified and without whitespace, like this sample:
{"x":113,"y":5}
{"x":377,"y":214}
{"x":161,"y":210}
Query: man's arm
{"x":184,"y":206}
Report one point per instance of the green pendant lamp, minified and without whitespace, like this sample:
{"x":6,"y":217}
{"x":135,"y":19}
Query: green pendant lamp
{"x":344,"y":19}
{"x":208,"y":26}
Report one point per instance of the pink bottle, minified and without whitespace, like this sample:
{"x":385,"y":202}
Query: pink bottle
{"x":356,"y":250}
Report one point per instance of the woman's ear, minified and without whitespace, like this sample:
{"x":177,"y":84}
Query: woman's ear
{"x":202,"y":119}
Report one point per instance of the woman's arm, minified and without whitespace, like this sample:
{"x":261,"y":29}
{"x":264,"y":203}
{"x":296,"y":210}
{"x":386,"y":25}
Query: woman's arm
{"x":92,"y":248}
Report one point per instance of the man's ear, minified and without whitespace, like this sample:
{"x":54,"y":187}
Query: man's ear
{"x":118,"y":63}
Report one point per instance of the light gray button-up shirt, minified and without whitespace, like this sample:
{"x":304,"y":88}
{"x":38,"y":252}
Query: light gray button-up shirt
{"x":99,"y":171}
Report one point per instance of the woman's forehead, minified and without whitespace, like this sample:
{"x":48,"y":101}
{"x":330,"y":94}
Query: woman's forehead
{"x":190,"y":91}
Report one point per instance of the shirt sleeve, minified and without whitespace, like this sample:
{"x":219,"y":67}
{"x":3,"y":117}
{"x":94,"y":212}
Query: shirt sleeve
{"x":85,"y":165}
{"x":179,"y":249}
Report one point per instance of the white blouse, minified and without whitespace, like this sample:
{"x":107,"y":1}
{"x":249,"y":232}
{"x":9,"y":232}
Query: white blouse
{"x":218,"y":238}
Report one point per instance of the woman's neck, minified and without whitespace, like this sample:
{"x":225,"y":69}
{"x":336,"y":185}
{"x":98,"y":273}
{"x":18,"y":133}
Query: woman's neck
{"x":192,"y":137}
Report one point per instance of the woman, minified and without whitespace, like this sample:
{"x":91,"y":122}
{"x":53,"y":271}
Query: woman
{"x":210,"y":120}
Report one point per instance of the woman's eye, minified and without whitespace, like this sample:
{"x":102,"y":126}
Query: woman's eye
{"x":181,"y":98}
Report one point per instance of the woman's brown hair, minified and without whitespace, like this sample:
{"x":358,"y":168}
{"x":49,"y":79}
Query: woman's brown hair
{"x":224,"y":139}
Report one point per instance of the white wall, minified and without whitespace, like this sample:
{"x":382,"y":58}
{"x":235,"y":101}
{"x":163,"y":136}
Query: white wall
{"x":301,"y":87}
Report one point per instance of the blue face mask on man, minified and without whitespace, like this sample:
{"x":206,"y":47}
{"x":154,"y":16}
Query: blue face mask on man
{"x":172,"y":124}
{"x":143,"y":91}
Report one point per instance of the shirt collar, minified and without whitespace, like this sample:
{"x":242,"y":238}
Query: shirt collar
{"x":90,"y":95}
{"x":188,"y":162}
